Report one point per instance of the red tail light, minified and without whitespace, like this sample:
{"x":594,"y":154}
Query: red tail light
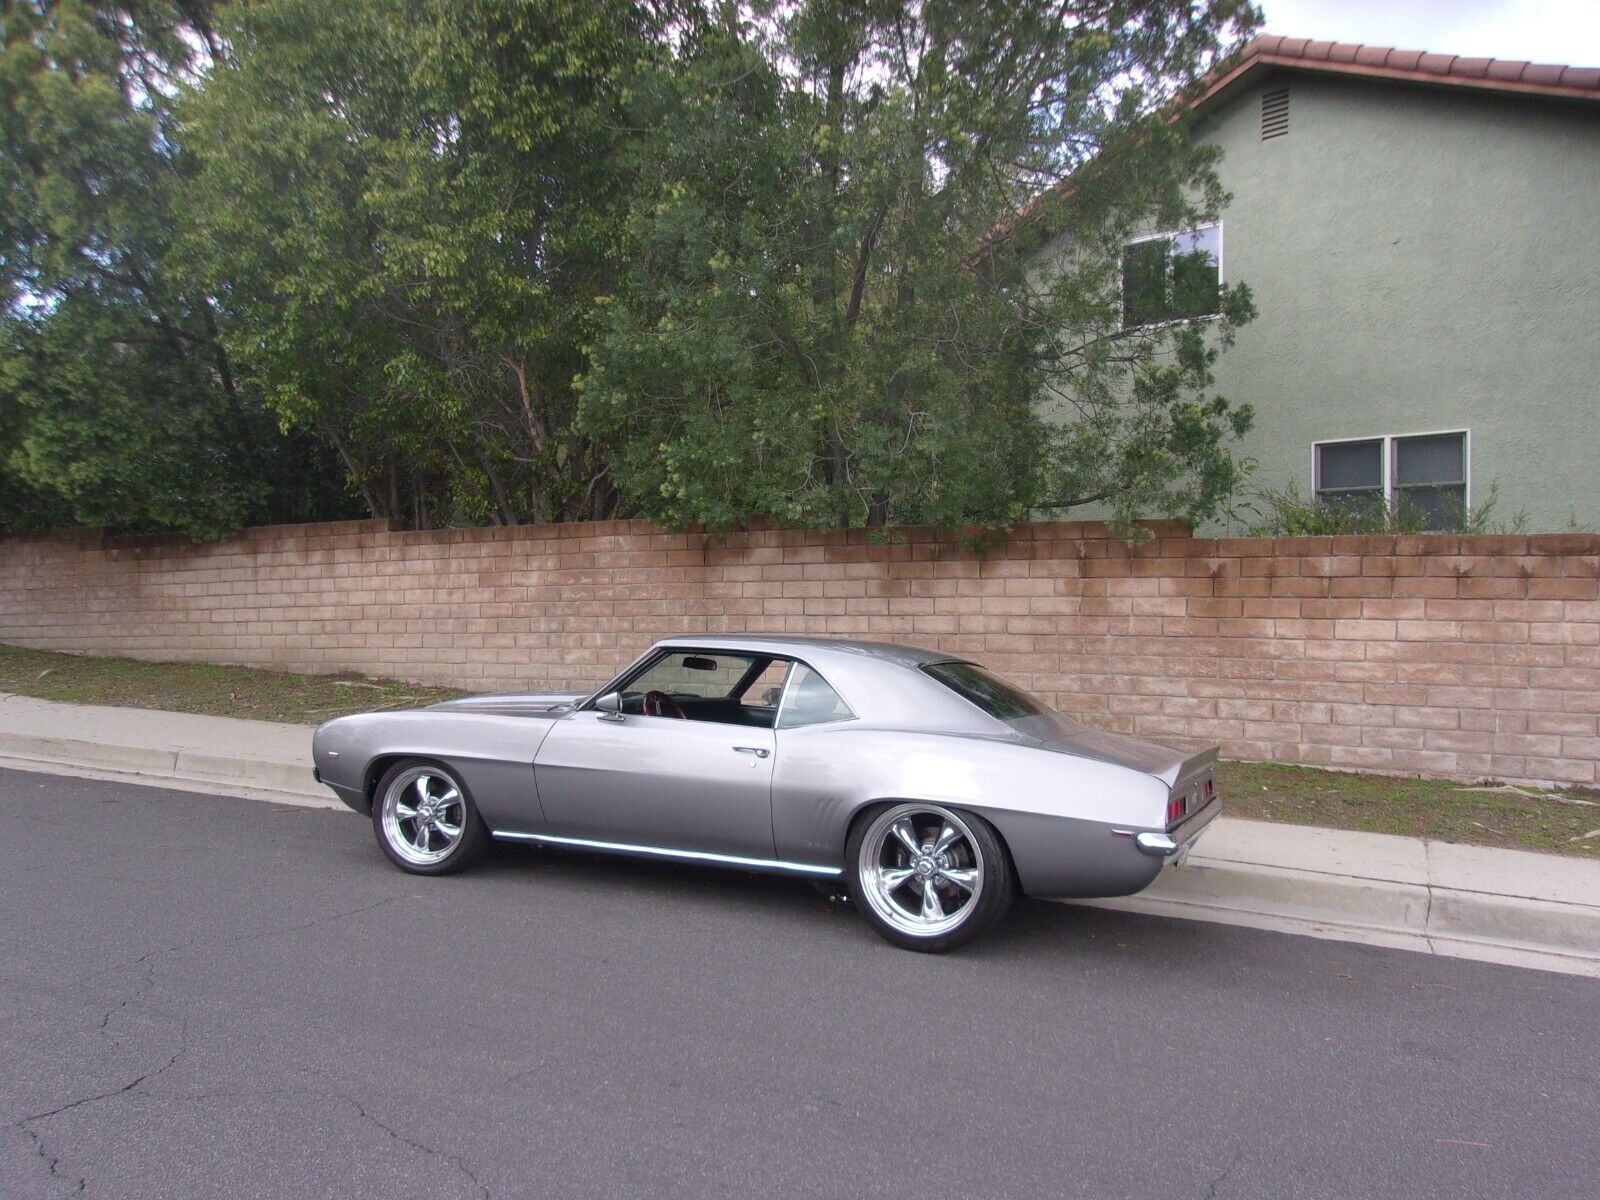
{"x":1177,"y":806}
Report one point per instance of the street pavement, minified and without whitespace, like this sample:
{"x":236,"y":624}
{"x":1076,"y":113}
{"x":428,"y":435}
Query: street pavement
{"x":1510,"y":906}
{"x":209,"y":996}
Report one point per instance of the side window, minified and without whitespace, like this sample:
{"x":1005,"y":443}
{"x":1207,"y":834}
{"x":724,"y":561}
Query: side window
{"x":810,"y":701}
{"x":688,"y":675}
{"x":766,"y":688}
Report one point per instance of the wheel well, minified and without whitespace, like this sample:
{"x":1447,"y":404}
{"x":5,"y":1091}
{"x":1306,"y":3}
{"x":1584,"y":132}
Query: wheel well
{"x":872,"y":807}
{"x":375,"y":772}
{"x":378,"y":767}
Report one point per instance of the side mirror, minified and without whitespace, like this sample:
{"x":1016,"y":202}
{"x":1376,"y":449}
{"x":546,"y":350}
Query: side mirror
{"x":609,"y":706}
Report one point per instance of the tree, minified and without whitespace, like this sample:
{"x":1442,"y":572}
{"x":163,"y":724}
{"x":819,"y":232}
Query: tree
{"x":420,"y":205}
{"x":819,"y":323}
{"x":120,"y":401}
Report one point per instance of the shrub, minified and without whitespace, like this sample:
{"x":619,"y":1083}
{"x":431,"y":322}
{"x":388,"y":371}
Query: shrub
{"x":1288,"y":513}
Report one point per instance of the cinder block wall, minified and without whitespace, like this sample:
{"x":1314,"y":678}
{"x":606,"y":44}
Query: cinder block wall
{"x":1470,"y":656}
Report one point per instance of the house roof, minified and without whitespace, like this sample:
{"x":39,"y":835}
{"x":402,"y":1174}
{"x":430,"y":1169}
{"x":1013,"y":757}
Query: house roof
{"x":1406,"y":66}
{"x":1270,"y":51}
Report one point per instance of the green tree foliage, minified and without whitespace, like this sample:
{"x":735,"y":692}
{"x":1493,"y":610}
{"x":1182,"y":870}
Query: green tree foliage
{"x":816,"y":323}
{"x":500,"y":260}
{"x":118,"y":404}
{"x":418,"y":199}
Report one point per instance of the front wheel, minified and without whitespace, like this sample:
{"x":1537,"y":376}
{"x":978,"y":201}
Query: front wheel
{"x":927,"y":877}
{"x":425,"y":821}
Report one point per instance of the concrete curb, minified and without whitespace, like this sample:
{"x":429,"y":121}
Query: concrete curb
{"x":1553,"y":934}
{"x":1382,"y":890}
{"x":146,"y":764}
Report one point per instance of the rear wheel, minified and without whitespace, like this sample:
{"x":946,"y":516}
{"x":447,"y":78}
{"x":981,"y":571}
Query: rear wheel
{"x":425,"y":821}
{"x":927,"y":877}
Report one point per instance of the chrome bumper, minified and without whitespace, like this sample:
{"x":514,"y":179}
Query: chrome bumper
{"x":1181,"y":837}
{"x":1160,"y":844}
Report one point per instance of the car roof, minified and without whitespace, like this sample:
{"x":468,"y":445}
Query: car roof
{"x":819,"y":648}
{"x":878,"y":680}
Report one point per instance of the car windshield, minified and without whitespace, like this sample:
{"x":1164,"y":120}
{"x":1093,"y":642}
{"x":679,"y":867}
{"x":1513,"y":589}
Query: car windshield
{"x":987,"y":690}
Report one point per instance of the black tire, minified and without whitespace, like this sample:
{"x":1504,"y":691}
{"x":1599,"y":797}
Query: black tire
{"x":429,"y":849}
{"x":874,"y":846}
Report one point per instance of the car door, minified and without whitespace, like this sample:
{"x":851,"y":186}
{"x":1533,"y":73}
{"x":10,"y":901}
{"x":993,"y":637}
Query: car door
{"x":624,"y":778}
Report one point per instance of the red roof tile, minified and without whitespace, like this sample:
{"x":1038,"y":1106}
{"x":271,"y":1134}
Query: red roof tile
{"x":1386,"y":62}
{"x":1512,"y":76}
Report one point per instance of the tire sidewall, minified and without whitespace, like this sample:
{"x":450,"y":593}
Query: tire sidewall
{"x":474,"y":836}
{"x":994,"y":898}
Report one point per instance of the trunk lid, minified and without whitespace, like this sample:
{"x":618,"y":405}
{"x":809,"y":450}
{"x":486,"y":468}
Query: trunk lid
{"x":1175,"y":768}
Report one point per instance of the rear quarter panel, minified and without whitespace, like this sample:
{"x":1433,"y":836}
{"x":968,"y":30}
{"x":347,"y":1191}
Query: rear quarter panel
{"x":1055,"y":811}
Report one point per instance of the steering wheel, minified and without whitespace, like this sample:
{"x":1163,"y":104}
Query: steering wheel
{"x":660,"y":701}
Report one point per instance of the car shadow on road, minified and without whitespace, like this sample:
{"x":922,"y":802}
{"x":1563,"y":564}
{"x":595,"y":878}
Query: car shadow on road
{"x":1041,"y":929}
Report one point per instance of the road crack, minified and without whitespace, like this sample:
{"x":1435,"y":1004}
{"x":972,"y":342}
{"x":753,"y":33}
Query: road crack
{"x":1211,"y":1188}
{"x":150,"y":961}
{"x":52,"y":1161}
{"x":404,"y":1140}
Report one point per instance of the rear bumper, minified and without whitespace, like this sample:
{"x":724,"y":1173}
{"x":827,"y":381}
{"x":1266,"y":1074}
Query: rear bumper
{"x":1176,"y":841}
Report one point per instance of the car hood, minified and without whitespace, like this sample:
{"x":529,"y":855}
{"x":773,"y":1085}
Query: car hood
{"x":513,"y":704}
{"x":1167,"y":763}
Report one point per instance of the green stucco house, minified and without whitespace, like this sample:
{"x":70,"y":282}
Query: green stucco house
{"x":1422,"y":236}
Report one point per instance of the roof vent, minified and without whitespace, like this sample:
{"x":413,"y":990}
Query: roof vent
{"x":1274,"y":113}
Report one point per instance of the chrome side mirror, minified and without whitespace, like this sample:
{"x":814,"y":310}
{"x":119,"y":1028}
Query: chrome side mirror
{"x":609,"y":706}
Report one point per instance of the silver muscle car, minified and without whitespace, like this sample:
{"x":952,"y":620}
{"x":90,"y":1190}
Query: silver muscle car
{"x":931,"y":789}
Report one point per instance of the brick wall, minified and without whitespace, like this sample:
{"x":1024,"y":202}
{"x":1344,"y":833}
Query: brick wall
{"x":1473,"y":656}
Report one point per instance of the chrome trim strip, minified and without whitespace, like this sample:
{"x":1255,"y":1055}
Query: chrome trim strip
{"x":732,"y":860}
{"x":783,"y":696}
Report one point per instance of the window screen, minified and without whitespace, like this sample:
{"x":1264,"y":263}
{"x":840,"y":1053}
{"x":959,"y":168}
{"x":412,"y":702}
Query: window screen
{"x":1430,"y":474}
{"x":1350,"y":473}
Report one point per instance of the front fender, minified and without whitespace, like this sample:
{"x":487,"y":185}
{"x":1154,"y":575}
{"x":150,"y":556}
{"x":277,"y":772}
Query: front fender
{"x":492,"y":753}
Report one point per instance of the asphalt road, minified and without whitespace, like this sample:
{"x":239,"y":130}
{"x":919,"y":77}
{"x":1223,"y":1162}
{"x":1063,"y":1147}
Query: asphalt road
{"x":207,"y":996}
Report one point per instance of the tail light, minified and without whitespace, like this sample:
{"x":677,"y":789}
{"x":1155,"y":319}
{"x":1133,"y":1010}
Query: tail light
{"x":1182,"y":804}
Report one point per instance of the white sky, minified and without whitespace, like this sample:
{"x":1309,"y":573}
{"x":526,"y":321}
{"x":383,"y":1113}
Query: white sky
{"x":1553,"y":31}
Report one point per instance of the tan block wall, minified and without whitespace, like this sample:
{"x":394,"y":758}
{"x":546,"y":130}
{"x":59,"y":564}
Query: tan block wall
{"x":1468,"y":656}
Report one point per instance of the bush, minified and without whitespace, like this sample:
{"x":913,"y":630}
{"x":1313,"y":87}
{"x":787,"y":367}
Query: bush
{"x":1287,"y":513}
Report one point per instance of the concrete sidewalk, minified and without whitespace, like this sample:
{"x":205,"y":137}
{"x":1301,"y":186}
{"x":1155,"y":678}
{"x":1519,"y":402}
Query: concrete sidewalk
{"x":1506,"y":906}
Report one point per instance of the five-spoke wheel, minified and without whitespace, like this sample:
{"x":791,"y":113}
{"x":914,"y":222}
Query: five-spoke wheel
{"x":425,"y":820}
{"x":928,"y":877}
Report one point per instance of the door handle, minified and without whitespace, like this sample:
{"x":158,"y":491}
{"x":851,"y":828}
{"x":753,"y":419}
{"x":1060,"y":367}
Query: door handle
{"x":758,"y":751}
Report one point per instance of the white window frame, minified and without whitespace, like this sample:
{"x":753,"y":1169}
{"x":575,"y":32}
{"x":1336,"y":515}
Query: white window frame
{"x":1222,"y":277}
{"x":1386,"y":443}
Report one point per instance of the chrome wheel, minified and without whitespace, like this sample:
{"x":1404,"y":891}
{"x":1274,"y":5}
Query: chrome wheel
{"x":424,"y":816}
{"x":921,"y":869}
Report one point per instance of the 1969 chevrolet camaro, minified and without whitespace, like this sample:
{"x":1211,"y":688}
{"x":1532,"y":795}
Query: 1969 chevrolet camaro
{"x":931,"y":788}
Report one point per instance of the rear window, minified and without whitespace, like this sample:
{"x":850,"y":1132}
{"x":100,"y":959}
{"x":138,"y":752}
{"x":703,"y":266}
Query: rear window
{"x":987,"y":690}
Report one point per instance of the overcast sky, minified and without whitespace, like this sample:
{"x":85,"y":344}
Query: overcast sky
{"x":1556,"y":31}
